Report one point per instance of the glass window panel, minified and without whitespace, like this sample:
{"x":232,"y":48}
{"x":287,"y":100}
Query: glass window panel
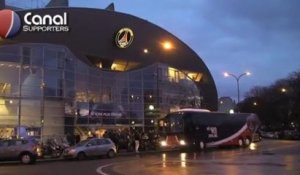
{"x":26,"y":53}
{"x":50,"y":59}
{"x":60,"y":63}
{"x":150,"y":84}
{"x":135,"y":91}
{"x":135,"y":84}
{"x":69,"y":64}
{"x":136,"y":75}
{"x":81,"y":67}
{"x":10,"y":53}
{"x":51,"y":78}
{"x":60,"y":83}
{"x":81,"y":77}
{"x":69,"y":84}
{"x":60,"y":92}
{"x":70,"y":92}
{"x":81,"y":86}
{"x":69,"y":75}
{"x":50,"y":92}
{"x":37,"y":56}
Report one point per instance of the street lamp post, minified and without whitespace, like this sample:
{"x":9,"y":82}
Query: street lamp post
{"x":157,"y":86}
{"x":43,"y":86}
{"x":237,"y":78}
{"x":19,"y":99}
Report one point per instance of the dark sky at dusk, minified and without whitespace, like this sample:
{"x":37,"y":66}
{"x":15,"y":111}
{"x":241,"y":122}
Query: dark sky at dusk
{"x":260,"y":36}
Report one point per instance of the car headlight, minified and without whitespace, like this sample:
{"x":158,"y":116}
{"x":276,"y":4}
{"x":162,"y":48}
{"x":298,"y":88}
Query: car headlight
{"x":163,"y":143}
{"x":72,"y":151}
{"x":182,"y":142}
{"x":39,"y":151}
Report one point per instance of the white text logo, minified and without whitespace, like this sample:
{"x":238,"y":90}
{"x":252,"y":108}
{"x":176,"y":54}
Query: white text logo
{"x":45,"y":23}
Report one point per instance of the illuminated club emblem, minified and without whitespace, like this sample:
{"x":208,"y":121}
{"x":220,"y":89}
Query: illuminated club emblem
{"x":124,"y":37}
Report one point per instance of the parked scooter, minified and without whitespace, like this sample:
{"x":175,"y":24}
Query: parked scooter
{"x":53,"y":148}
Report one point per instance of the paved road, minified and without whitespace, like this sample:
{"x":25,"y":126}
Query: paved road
{"x":267,"y":157}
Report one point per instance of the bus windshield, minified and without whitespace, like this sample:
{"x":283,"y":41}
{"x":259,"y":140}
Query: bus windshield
{"x":172,"y":123}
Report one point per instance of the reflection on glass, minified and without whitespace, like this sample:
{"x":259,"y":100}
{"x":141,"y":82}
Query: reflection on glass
{"x":117,"y":97}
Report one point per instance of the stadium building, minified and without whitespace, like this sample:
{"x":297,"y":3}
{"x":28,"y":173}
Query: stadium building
{"x":82,"y":70}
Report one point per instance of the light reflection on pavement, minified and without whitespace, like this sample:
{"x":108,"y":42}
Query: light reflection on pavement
{"x":263,"y":158}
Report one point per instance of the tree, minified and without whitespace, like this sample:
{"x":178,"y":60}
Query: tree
{"x":277,"y":105}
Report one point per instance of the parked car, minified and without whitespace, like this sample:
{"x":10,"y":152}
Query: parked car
{"x":291,"y":135}
{"x":91,"y":148}
{"x":25,"y":150}
{"x":271,"y":135}
{"x":256,"y":137}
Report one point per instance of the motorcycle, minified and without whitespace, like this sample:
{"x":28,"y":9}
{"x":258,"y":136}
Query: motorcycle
{"x":53,"y":149}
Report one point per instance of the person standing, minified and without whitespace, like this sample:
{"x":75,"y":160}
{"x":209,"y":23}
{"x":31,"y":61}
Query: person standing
{"x":137,"y":141}
{"x":77,"y":138}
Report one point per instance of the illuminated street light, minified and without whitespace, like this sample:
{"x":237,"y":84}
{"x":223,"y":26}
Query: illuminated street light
{"x":167,"y":45}
{"x":146,"y":51}
{"x":237,"y":78}
{"x":151,"y":107}
{"x":283,"y":90}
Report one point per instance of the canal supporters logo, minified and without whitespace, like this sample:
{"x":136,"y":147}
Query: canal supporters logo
{"x":45,"y":22}
{"x":10,"y":23}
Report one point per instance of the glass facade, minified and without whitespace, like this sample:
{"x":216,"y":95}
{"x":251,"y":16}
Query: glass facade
{"x":47,"y":91}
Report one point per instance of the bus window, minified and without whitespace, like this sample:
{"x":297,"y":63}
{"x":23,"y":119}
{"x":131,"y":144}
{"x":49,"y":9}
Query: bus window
{"x":162,"y":126}
{"x":172,"y":124}
{"x":176,"y":124}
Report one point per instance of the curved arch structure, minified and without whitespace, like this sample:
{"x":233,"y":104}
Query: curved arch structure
{"x":92,"y":39}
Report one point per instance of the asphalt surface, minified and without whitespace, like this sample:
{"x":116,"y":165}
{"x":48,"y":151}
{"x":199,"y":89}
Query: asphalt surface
{"x":266,"y":157}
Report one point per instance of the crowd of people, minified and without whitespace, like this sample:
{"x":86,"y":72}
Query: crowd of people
{"x":133,"y":139}
{"x":126,"y":139}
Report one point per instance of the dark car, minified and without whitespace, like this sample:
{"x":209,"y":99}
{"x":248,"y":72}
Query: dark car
{"x":24,"y":150}
{"x":291,"y":135}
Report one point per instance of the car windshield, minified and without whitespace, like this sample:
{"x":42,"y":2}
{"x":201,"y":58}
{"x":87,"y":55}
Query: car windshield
{"x":82,"y":143}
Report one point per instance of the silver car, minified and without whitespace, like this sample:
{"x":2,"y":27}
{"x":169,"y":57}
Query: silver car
{"x":91,"y":148}
{"x":25,"y":150}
